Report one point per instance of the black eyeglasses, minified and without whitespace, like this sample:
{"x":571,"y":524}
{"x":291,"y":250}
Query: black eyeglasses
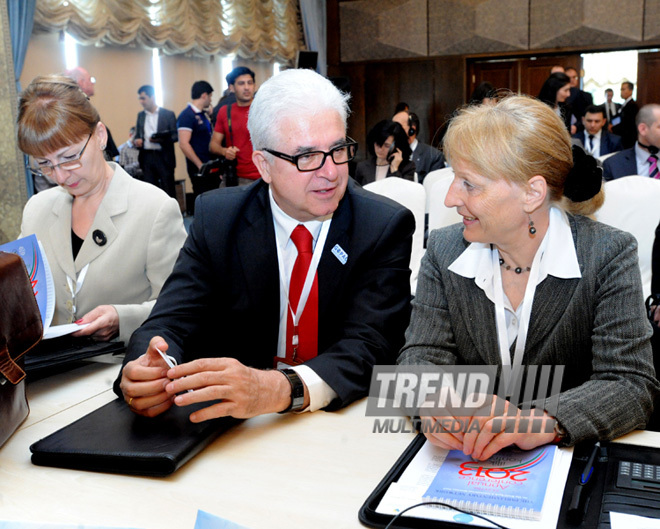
{"x":313,"y":160}
{"x":48,"y":169}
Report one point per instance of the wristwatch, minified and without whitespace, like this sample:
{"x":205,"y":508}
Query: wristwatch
{"x":297,"y":390}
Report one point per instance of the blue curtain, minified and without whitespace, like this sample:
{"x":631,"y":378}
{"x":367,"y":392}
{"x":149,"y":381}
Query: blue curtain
{"x":21,"y":20}
{"x":314,"y":25}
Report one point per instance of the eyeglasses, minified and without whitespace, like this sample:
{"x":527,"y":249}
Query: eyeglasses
{"x":313,"y":160}
{"x":68,"y":165}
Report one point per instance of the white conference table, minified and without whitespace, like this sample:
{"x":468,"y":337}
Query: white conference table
{"x":312,"y":470}
{"x":308,"y":470}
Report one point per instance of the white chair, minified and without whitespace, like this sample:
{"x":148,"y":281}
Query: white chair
{"x":412,"y":196}
{"x":431,"y":178}
{"x":632,"y":204}
{"x":439,"y":214}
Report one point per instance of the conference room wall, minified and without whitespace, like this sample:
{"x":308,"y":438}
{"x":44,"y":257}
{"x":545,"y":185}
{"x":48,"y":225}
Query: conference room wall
{"x":121,"y":70}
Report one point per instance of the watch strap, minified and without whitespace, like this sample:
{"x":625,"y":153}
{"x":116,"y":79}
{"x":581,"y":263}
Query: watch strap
{"x":297,"y":390}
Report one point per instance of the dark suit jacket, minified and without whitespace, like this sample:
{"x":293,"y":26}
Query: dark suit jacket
{"x":621,"y":164}
{"x":617,"y":107}
{"x":595,"y":326}
{"x":608,"y":142}
{"x":166,"y":123}
{"x":222,"y":298}
{"x":579,"y":101}
{"x":365,"y":172}
{"x":427,"y":159}
{"x":627,"y":128}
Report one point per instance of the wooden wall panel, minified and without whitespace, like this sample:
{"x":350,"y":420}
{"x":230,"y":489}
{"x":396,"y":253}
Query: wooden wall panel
{"x":432,"y":88}
{"x":448,"y":95}
{"x":648,"y":69}
{"x":501,"y":74}
{"x":652,"y":20}
{"x":383,"y":29}
{"x":477,"y":26}
{"x":533,"y":73}
{"x":389,"y":29}
{"x":564,"y":23}
{"x":384,"y":57}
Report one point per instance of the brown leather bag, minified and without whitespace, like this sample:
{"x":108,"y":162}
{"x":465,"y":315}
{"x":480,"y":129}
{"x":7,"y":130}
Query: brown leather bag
{"x":20,"y":331}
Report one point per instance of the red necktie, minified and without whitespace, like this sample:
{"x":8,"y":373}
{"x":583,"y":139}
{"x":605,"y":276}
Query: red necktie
{"x":306,"y":334}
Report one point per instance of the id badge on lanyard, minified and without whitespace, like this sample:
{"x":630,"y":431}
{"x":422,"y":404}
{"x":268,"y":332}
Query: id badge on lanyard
{"x":307,"y":285}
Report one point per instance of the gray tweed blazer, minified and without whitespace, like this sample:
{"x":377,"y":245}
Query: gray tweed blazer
{"x":595,"y":325}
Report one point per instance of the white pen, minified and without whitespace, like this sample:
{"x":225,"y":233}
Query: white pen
{"x":168,"y":361}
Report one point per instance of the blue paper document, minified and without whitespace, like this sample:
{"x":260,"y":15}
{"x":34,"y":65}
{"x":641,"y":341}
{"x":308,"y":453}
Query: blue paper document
{"x":512,"y":483}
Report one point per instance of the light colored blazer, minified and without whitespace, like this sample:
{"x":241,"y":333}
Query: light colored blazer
{"x":595,"y":325}
{"x":144,"y":231}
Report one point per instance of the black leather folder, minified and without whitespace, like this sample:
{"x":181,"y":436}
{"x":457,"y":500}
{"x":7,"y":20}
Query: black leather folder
{"x":114,"y":439}
{"x":606,"y":495}
{"x":63,"y":352}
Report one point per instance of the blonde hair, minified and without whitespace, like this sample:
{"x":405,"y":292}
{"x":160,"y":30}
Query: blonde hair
{"x":515,"y":139}
{"x":53,"y":113}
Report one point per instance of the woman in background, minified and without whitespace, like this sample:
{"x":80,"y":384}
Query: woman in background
{"x":110,"y":240}
{"x":554,"y":93}
{"x":525,"y":281}
{"x":389,"y":152}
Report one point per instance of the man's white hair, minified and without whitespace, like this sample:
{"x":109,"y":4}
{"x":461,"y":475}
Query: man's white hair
{"x":291,"y":93}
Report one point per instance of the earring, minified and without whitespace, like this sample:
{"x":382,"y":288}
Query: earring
{"x":103,"y":147}
{"x":532,"y":229}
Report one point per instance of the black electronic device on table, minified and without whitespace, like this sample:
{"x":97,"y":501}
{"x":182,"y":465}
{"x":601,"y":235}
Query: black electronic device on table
{"x":638,"y":476}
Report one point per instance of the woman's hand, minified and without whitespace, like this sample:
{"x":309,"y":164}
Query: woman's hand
{"x":499,"y":424}
{"x":493,"y":426}
{"x":103,"y":323}
{"x":395,"y":160}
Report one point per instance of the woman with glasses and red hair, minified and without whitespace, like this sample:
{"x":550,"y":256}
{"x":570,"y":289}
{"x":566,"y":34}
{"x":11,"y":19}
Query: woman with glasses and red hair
{"x":110,"y":240}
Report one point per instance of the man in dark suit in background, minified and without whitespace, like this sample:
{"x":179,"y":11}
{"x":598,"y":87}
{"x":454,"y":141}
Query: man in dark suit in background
{"x":426,"y":157}
{"x":624,"y":124}
{"x":596,"y":140}
{"x":155,"y":136}
{"x":579,"y":100}
{"x":641,"y":159}
{"x":611,"y":108}
{"x":243,"y":299}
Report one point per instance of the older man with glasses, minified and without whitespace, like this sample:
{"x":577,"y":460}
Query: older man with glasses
{"x":288,"y":291}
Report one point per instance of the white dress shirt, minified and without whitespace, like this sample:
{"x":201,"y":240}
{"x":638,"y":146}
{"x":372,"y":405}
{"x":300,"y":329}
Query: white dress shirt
{"x":150,"y":128}
{"x":320,"y":393}
{"x":559,"y":260}
{"x":610,"y":110}
{"x":595,"y":150}
{"x":642,"y":160}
